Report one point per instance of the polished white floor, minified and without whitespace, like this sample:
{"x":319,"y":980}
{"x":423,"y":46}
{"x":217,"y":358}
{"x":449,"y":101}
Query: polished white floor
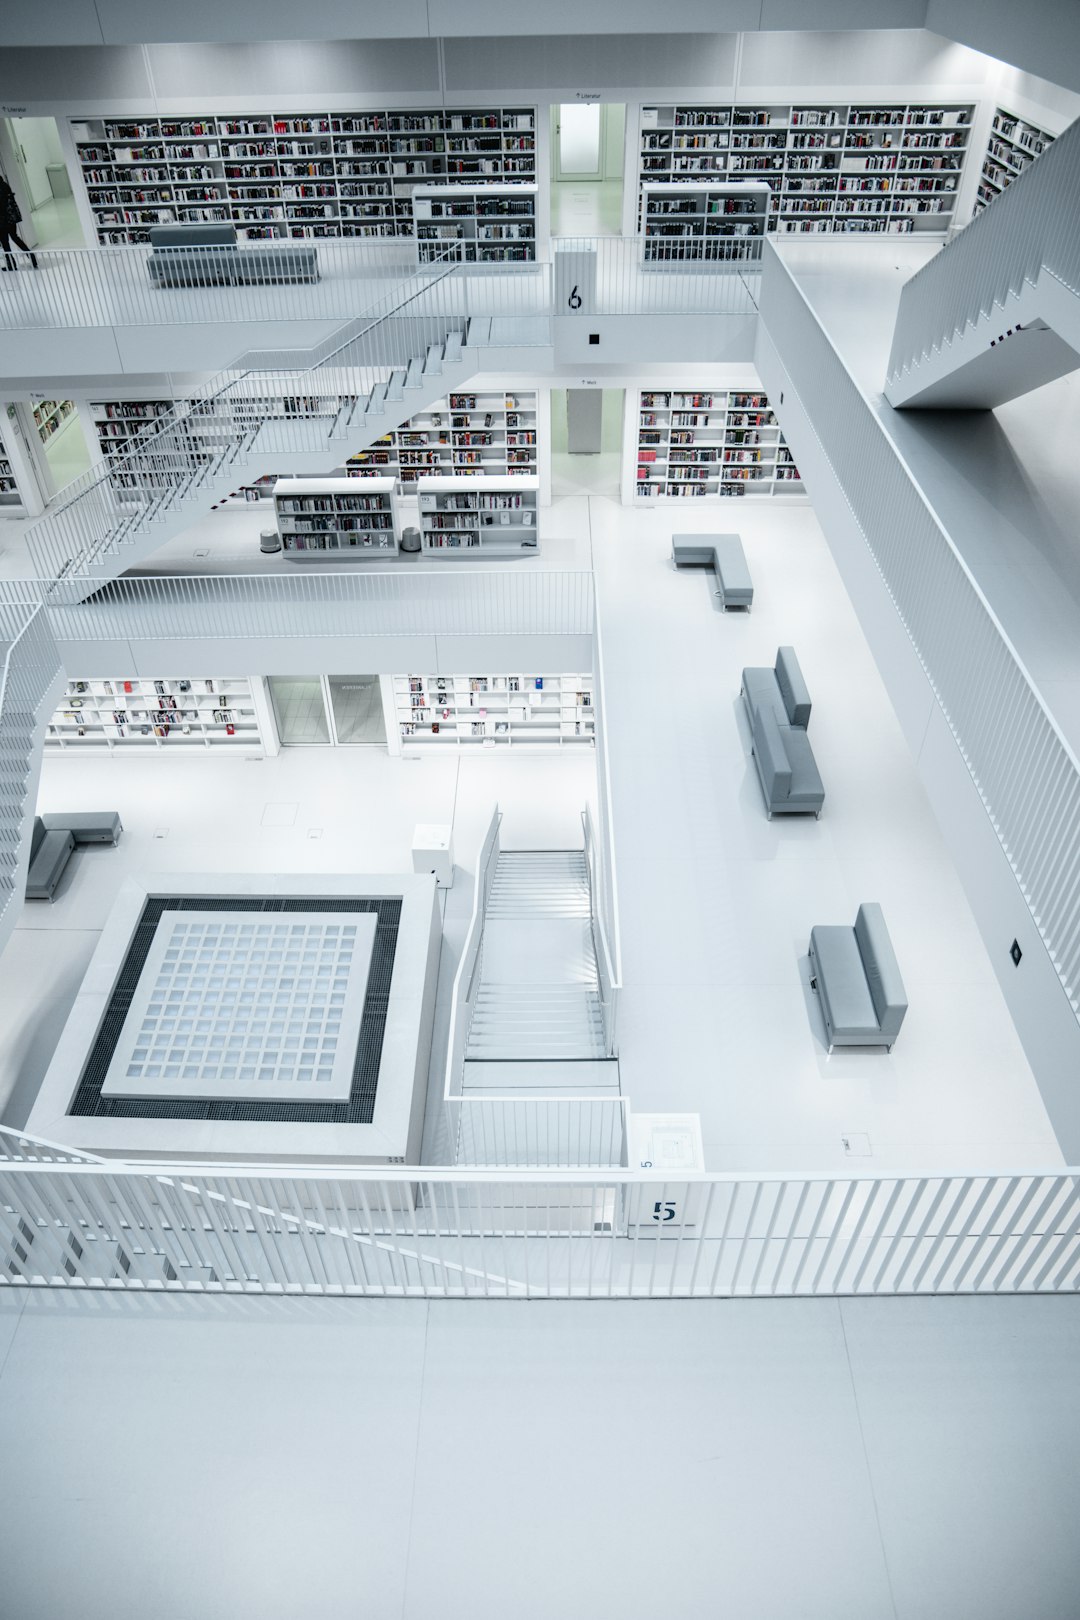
{"x":717,"y":903}
{"x":1005,"y":483}
{"x":243,"y":1459}
{"x":308,"y":810}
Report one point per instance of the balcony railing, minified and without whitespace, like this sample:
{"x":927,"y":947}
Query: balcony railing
{"x":404,"y":601}
{"x":111,"y":287}
{"x":426,"y":1232}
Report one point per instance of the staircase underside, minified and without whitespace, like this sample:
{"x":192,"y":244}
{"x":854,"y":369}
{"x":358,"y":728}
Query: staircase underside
{"x":1028,"y":342}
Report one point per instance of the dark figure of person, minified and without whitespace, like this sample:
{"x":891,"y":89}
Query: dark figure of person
{"x":10,"y":215}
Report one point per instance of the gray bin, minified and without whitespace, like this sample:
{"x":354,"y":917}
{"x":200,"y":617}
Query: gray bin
{"x":269,"y":541}
{"x":410,"y":542}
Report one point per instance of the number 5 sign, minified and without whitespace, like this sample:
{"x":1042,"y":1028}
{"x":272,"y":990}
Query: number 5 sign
{"x":665,"y":1151}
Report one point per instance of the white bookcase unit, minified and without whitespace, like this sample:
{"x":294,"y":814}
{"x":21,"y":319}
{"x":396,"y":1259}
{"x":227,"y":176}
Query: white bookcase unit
{"x":476,"y":223}
{"x":832,"y":168}
{"x":325,"y":174}
{"x":50,"y":415}
{"x":494,"y":711}
{"x":336,"y":519}
{"x":11,"y":500}
{"x":477,"y":517}
{"x":714,"y":442}
{"x":704,"y":220}
{"x":1013,"y":145}
{"x":478,"y":433}
{"x":178,"y":712}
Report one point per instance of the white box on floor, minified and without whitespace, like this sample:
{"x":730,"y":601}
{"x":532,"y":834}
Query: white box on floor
{"x":432,"y":852}
{"x":664,"y":1150}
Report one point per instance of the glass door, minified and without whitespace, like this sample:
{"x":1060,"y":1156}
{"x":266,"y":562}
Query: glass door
{"x":300,"y":710}
{"x":356,"y":709}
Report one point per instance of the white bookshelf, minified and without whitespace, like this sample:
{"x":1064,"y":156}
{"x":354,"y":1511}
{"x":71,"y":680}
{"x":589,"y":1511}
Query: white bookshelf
{"x":337,"y":519}
{"x":477,"y":517}
{"x":11,"y":498}
{"x":50,"y":415}
{"x":480,"y":433}
{"x":494,"y":711}
{"x":832,"y":168}
{"x":702,"y":443}
{"x":325,"y":174}
{"x":1013,"y":145}
{"x":703,"y":220}
{"x":477,"y":223}
{"x":136,"y":714}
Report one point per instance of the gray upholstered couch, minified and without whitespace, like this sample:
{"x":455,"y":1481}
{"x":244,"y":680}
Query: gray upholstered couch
{"x":210,"y":256}
{"x":778,"y":707}
{"x":54,"y":839}
{"x":857,"y":978}
{"x":724,"y":554}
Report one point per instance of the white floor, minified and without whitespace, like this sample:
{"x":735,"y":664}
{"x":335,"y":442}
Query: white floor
{"x":242,"y":1459}
{"x":717,"y":903}
{"x":1005,"y":483}
{"x":308,"y":810}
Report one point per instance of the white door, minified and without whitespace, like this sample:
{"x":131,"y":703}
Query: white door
{"x":577,"y":146}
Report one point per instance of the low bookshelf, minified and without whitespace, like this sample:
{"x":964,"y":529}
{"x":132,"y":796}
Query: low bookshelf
{"x":479,"y":517}
{"x":337,"y":519}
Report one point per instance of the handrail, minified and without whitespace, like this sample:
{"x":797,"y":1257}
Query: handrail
{"x":59,"y":1148}
{"x":1033,"y":226}
{"x":92,"y":288}
{"x":162,"y":462}
{"x":460,"y":998}
{"x":609,"y":980}
{"x":434,"y":1231}
{"x":402,"y":600}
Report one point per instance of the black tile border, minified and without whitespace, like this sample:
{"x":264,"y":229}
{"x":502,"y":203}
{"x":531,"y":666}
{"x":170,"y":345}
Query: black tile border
{"x":359,"y":1108}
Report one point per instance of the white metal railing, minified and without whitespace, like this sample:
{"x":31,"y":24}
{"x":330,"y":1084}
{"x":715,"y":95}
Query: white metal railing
{"x":21,"y":1147}
{"x":407,"y":600}
{"x":30,"y":667}
{"x":111,"y":287}
{"x":613,"y":276}
{"x":608,"y":980}
{"x":298,"y":400}
{"x":603,"y":876}
{"x":1025,"y":772}
{"x":538,"y":1133}
{"x":1031,"y":228}
{"x":615,"y":1235}
{"x":468,"y":970}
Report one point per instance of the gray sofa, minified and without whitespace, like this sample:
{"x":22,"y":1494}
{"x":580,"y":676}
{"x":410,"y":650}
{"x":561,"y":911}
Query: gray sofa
{"x":857,"y":979}
{"x":724,"y":554}
{"x":778,"y":708}
{"x":210,"y":256}
{"x":54,"y":839}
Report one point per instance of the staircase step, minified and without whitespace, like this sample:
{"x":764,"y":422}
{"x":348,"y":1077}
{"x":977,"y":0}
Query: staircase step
{"x":415,"y":375}
{"x":433,"y":363}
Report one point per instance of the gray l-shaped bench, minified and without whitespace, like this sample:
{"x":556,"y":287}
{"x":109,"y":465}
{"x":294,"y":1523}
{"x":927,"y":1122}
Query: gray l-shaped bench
{"x":723,"y":553}
{"x":54,"y":839}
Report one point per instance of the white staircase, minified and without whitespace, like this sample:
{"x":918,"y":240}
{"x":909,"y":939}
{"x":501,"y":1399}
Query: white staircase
{"x":30,"y":683}
{"x":997,"y":312}
{"x":538,"y":997}
{"x":110,"y":521}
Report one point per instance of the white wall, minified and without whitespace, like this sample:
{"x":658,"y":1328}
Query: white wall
{"x":1037,"y":1003}
{"x":40,"y":145}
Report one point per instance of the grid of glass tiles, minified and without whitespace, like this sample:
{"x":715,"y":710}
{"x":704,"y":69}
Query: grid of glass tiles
{"x":234,"y":1005}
